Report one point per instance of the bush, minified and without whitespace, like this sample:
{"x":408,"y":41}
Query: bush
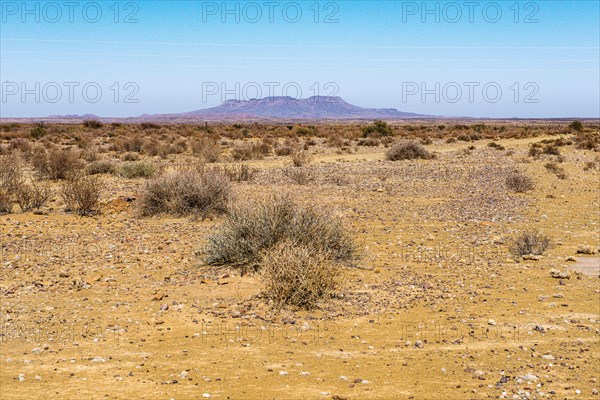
{"x":93,"y":124}
{"x":206,"y":148}
{"x":300,"y":176}
{"x":32,"y":197}
{"x":301,"y":158}
{"x":247,"y":151}
{"x":496,"y":146}
{"x":236,"y":173}
{"x":57,"y":163}
{"x":587,"y":141}
{"x":530,"y":242}
{"x":284,"y":150}
{"x":377,"y":128}
{"x":556,"y":170}
{"x":297,"y":275}
{"x":81,"y":193}
{"x":518,"y":182}
{"x":136,"y":169}
{"x":185,"y":192}
{"x":5,"y":202}
{"x":100,"y":167}
{"x":576,"y":126}
{"x":369,"y":142}
{"x":250,"y":229}
{"x":11,"y":176}
{"x":407,"y":150}
{"x":130,"y":157}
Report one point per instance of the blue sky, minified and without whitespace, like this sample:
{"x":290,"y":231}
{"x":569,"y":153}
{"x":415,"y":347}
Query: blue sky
{"x":126,"y":58}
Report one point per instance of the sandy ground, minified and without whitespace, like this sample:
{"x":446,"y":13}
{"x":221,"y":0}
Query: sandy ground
{"x":116,"y":307}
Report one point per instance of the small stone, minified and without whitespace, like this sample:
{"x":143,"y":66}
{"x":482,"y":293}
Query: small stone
{"x":491,"y":322}
{"x":529,"y":377}
{"x":343,"y":378}
{"x":98,"y":359}
{"x":283,"y":373}
{"x":419,"y":344}
{"x":206,"y":395}
{"x":21,"y":377}
{"x":304,"y":373}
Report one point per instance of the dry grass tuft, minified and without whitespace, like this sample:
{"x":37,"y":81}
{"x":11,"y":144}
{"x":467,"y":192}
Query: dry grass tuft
{"x":186,"y":192}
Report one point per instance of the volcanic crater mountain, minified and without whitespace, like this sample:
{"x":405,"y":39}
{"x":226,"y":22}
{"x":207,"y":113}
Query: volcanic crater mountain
{"x":284,"y":107}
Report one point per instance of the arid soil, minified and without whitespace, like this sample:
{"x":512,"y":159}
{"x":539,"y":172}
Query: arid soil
{"x":114,"y":306}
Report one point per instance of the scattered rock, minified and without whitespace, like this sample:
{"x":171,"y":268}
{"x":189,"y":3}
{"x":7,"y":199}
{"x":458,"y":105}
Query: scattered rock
{"x":557,"y":274}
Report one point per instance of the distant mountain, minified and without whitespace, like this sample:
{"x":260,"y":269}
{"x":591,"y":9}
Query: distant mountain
{"x":270,"y":108}
{"x":280,"y":107}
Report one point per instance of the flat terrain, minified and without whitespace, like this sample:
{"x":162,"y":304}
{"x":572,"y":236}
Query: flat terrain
{"x":114,"y":306}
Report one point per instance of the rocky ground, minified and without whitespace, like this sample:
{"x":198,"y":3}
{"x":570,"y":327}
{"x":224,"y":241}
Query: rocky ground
{"x":115,"y":306}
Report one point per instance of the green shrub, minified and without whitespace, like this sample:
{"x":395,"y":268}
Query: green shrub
{"x":377,"y":128}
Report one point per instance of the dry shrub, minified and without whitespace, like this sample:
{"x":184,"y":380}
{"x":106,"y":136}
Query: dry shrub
{"x":284,"y":150}
{"x":299,"y":176}
{"x":132,"y":143}
{"x":186,"y":192}
{"x":100,"y":167}
{"x":496,"y":146}
{"x":130,"y":157}
{"x":32,"y":197}
{"x":407,"y":150}
{"x":370,"y":141}
{"x":518,"y":182}
{"x":587,"y":141}
{"x":248,"y":151}
{"x":93,"y":124}
{"x":301,"y":158}
{"x":81,"y":193}
{"x":206,"y":148}
{"x":251,"y":228}
{"x":5,"y":202}
{"x":530,"y":242}
{"x":556,"y":170}
{"x":297,"y":275}
{"x":21,"y":144}
{"x":136,"y":169}
{"x":237,"y":172}
{"x":90,"y":154}
{"x":11,"y":176}
{"x":57,"y":163}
